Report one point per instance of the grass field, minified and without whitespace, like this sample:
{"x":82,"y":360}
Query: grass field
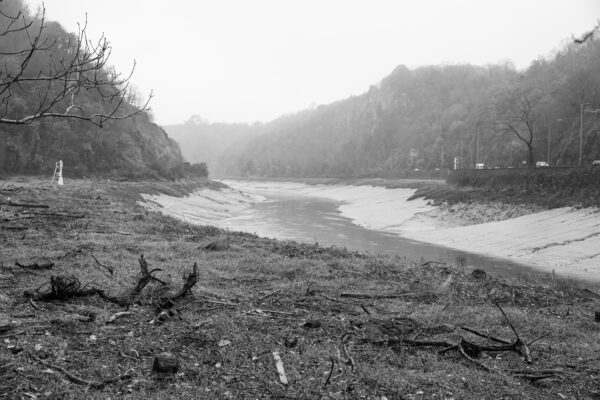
{"x":346,"y":325}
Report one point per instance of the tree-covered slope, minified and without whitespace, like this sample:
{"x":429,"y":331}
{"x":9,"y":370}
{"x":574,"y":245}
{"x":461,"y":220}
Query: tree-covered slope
{"x":425,"y":117}
{"x":205,"y":142}
{"x":133,"y":147}
{"x":60,"y":101}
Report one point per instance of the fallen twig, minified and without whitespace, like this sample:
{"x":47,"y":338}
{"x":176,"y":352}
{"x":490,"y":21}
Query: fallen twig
{"x":118,"y":315}
{"x":223,"y":303}
{"x":330,"y":372}
{"x":25,"y":205}
{"x":35,"y":265}
{"x":479,"y":364}
{"x":349,"y":359}
{"x":484,"y":335}
{"x":109,"y":269}
{"x":377,"y":296}
{"x":269,"y":294}
{"x":81,"y":381}
{"x":15,"y":227}
{"x":385,"y":296}
{"x":518,"y":346}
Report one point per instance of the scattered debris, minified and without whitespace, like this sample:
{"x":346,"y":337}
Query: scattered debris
{"x":118,"y":315}
{"x":279,"y":365}
{"x":423,"y":296}
{"x":81,"y":381}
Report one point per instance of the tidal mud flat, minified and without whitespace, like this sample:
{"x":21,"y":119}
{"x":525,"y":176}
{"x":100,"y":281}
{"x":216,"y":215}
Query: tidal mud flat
{"x":563,"y":241}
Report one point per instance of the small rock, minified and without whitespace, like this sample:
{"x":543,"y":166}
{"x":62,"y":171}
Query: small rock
{"x":224,"y":342}
{"x":165,"y":363}
{"x":478,"y":274}
{"x":312,"y":324}
{"x":290,"y":342}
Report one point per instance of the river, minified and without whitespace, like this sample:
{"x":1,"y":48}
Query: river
{"x":295,"y":212}
{"x":379,"y":220}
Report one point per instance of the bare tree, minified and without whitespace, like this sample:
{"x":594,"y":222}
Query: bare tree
{"x":47,"y":73}
{"x":519,"y":119}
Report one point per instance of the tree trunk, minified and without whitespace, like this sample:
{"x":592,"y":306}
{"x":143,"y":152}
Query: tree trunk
{"x":530,"y":161}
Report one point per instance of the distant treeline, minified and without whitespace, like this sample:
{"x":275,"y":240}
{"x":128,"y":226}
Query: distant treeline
{"x":422,"y":119}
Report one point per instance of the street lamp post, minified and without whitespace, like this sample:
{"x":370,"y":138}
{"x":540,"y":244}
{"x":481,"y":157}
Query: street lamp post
{"x":581,"y":107}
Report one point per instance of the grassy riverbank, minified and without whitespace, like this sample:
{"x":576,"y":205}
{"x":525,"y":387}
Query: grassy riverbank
{"x":346,"y":325}
{"x":541,"y":187}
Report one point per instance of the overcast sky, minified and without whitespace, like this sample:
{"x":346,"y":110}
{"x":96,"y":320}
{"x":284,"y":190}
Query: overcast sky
{"x":254,"y":60}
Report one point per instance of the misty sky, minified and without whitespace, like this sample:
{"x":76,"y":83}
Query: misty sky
{"x":254,"y":60}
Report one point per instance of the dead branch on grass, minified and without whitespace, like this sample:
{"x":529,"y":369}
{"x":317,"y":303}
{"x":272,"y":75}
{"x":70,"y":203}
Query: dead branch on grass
{"x":268,"y":294}
{"x":66,"y":287}
{"x":424,"y":295}
{"x":190,"y":281}
{"x":118,"y":315}
{"x":24,"y":205}
{"x":81,"y":381}
{"x":518,"y":345}
{"x":98,"y":263}
{"x":35,"y":266}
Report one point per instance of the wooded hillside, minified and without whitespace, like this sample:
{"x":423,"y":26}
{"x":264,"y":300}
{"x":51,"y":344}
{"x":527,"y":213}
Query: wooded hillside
{"x":61,"y":101}
{"x":423,"y":118}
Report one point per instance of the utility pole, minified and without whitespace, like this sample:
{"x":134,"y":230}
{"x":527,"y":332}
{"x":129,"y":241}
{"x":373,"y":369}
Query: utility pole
{"x":548,"y":140}
{"x":477,"y":148}
{"x":442,"y":158}
{"x":581,"y":107}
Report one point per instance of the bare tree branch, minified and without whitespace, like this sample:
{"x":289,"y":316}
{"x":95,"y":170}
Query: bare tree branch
{"x":67,"y":74}
{"x":588,"y":35}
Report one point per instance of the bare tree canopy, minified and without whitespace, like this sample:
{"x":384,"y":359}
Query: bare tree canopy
{"x":48,"y":73}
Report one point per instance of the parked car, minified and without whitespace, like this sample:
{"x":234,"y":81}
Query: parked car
{"x":541,"y":164}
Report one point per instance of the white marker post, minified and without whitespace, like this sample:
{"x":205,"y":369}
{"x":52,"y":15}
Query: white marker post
{"x":58,"y":173}
{"x":60,"y":178}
